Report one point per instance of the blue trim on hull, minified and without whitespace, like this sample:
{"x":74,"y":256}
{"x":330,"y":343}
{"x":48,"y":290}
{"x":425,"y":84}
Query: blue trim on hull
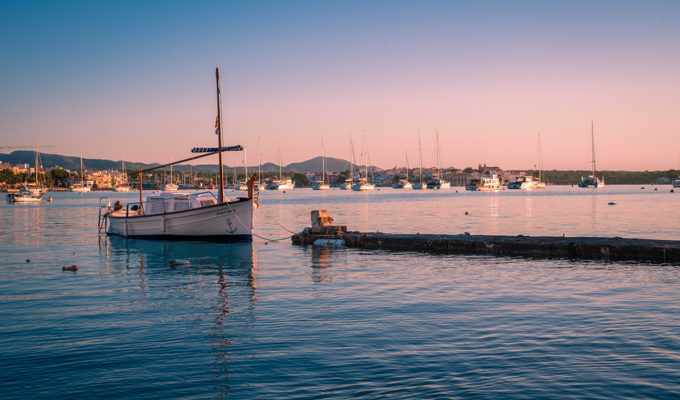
{"x":204,"y":238}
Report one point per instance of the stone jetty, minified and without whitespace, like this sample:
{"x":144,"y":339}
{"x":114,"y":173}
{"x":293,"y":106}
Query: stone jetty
{"x":601,"y":248}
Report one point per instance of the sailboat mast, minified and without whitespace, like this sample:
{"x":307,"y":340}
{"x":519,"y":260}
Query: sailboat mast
{"x":280,"y":162}
{"x":245,"y":161}
{"x":219,"y":135}
{"x":439,"y":172}
{"x":540,"y":159}
{"x":259,"y":163}
{"x":323,"y":161}
{"x":592,"y":139}
{"x":420,"y":156}
{"x":354,"y":160}
{"x":406,"y":165}
{"x":36,"y":164}
{"x":365,"y":155}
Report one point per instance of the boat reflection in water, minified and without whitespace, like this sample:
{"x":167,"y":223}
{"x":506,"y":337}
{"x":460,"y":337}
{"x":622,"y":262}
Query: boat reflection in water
{"x":214,"y":283}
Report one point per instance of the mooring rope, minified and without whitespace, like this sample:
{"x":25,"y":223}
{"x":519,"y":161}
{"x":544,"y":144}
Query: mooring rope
{"x":277,"y":222}
{"x":262,"y":237}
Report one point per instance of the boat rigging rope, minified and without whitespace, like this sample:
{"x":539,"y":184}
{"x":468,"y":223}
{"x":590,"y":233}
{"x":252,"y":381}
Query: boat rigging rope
{"x":262,"y":237}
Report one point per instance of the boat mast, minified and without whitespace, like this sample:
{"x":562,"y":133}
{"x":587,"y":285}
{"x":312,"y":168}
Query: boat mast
{"x":592,"y":138}
{"x":540,"y":160}
{"x":354,"y":159}
{"x":439,"y":171}
{"x":365,"y":156}
{"x":245,"y":160}
{"x":420,"y":157}
{"x":219,"y":135}
{"x":259,"y":164}
{"x":406,"y":165}
{"x":280,"y":162}
{"x":323,"y":161}
{"x":36,"y":164}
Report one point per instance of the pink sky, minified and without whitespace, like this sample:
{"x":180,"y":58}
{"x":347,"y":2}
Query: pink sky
{"x":489,"y":78}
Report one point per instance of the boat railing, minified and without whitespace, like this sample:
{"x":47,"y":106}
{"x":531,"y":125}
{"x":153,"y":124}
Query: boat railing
{"x":131,"y":207}
{"x":105,"y":206}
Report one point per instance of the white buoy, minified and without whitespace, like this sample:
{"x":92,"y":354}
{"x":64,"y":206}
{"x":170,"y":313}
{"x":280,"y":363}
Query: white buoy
{"x":179,"y":262}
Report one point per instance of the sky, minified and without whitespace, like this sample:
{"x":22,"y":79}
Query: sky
{"x":136,"y":80}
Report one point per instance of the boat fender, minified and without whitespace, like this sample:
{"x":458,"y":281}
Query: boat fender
{"x":329,"y":242}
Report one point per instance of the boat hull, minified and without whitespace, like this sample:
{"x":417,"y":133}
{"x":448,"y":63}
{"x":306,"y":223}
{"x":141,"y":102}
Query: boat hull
{"x":224,"y":222}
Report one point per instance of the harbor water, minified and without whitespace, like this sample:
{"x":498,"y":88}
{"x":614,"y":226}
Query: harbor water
{"x":156,"y":319}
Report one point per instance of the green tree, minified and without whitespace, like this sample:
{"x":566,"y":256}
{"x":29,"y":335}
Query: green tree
{"x":300,"y":179}
{"x":59,"y":177}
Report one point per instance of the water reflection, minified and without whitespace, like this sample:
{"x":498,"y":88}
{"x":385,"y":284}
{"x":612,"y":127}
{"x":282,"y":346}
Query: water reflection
{"x":321,"y":261}
{"x":227,"y":270}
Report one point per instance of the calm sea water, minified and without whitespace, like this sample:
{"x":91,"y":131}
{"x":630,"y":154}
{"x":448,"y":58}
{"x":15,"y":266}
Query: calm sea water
{"x":272,"y":320}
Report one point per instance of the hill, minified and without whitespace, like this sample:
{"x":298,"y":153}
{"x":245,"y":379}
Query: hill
{"x":73,"y":163}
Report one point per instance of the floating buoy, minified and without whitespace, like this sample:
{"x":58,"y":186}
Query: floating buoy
{"x":27,"y":260}
{"x":656,"y":188}
{"x":642,"y":187}
{"x":71,"y":268}
{"x":611,"y":203}
{"x":466,"y":213}
{"x":179,"y":262}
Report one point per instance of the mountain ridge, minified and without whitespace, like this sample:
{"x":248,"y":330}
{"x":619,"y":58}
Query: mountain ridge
{"x":73,"y":163}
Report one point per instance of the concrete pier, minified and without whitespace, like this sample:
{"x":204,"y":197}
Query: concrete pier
{"x":602,"y":248}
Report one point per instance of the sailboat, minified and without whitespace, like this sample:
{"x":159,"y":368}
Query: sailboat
{"x":361,"y":183}
{"x":169,"y":185}
{"x":244,"y":184}
{"x":541,"y":184}
{"x":420,"y":184}
{"x":189,"y":215}
{"x":32,"y":193}
{"x":322,"y":185}
{"x":438,"y":182}
{"x":404,"y":183}
{"x":82,"y":187}
{"x":347,"y":184}
{"x":592,"y":180}
{"x":124,"y":186}
{"x":281,"y":183}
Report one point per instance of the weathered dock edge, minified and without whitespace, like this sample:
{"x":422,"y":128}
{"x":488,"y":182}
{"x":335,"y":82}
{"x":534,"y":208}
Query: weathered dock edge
{"x":602,"y":248}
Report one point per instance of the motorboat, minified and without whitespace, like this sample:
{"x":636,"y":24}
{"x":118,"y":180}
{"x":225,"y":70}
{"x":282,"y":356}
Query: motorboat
{"x":524,"y":183}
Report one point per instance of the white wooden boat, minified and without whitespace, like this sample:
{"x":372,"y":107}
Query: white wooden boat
{"x":186,"y":216}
